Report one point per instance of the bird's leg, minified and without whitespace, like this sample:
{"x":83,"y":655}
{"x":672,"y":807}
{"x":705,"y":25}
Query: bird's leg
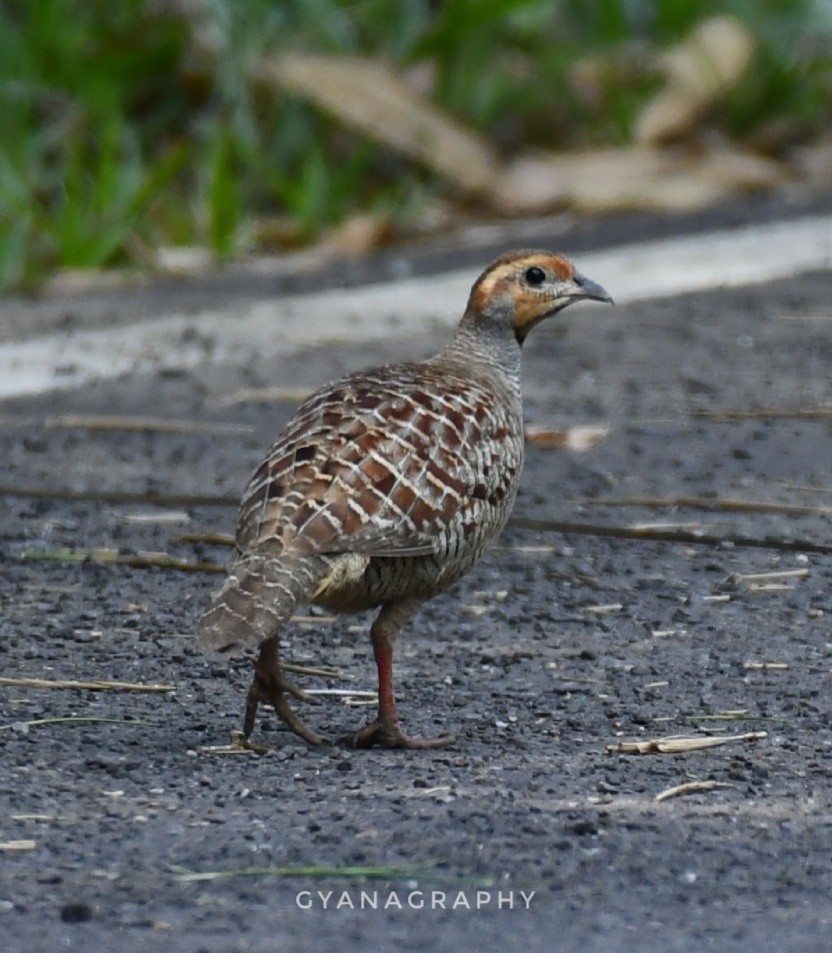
{"x":386,"y":730}
{"x":271,"y":685}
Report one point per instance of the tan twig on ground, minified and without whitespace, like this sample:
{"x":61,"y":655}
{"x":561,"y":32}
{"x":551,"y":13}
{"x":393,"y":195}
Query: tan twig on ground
{"x":312,"y":671}
{"x":707,"y":503}
{"x":691,"y":787}
{"x":765,"y":413}
{"x":155,"y":424}
{"x":637,"y":531}
{"x":752,"y":577}
{"x":212,"y":539}
{"x":681,"y":745}
{"x":119,"y":496}
{"x":112,"y":556}
{"x":91,"y":686}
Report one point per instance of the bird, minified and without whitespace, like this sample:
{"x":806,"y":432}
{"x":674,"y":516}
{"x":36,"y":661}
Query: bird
{"x":386,"y":487}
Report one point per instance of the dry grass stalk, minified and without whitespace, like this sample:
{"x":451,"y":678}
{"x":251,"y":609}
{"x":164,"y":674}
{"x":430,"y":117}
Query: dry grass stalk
{"x":145,"y":560}
{"x":16,"y":845}
{"x":118,"y":496}
{"x":804,"y":487}
{"x":655,"y":526}
{"x":691,"y":787}
{"x":765,"y":413}
{"x":706,"y":503}
{"x":675,"y":536}
{"x":233,"y":749}
{"x":91,"y":686}
{"x":730,"y":714}
{"x":211,"y":539}
{"x":156,"y":518}
{"x":155,"y":424}
{"x":525,"y":550}
{"x":765,"y":576}
{"x":344,"y":693}
{"x":604,"y":610}
{"x":765,"y":666}
{"x":314,"y":672}
{"x":238,"y":744}
{"x":681,"y":745}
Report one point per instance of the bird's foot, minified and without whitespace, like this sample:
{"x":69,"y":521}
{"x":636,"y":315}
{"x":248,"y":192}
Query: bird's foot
{"x":270,"y":685}
{"x":387,"y":733}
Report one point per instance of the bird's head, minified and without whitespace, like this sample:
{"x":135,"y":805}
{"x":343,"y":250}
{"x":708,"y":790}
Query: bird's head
{"x":521,"y":288}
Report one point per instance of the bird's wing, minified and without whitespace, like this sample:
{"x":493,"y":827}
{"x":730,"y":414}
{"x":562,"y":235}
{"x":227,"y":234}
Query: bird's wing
{"x":377,"y":468}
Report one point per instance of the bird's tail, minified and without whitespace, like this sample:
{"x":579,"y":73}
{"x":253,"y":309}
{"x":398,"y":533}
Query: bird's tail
{"x":259,"y":595}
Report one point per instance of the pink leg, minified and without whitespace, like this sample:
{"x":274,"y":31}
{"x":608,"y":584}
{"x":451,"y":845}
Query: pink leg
{"x":386,"y":730}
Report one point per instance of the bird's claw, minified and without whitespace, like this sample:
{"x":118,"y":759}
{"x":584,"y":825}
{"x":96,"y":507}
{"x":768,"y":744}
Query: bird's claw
{"x":270,"y":685}
{"x":387,"y":733}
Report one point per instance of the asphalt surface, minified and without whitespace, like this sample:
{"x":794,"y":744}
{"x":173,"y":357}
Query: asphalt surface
{"x":551,"y":653}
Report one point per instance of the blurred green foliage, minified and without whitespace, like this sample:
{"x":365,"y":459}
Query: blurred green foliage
{"x":132,"y":125}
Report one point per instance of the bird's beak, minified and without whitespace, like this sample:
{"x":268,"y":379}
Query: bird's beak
{"x":586,"y":288}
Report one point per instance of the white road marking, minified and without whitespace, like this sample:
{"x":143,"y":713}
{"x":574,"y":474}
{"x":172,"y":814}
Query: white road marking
{"x":631,"y":273}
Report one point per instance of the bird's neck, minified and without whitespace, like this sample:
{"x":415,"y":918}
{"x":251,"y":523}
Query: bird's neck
{"x":483,"y":343}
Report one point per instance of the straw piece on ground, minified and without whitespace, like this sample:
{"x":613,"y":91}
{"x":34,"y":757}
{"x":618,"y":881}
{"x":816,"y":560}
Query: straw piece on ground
{"x":238,"y":744}
{"x":158,"y":425}
{"x":715,"y":503}
{"x":769,"y":576}
{"x":691,"y":787}
{"x":604,"y":609}
{"x":696,"y":537}
{"x":142,"y":560}
{"x":212,"y":539}
{"x":681,"y":745}
{"x":343,"y":693}
{"x":314,"y":671}
{"x":91,"y":686}
{"x":765,"y":413}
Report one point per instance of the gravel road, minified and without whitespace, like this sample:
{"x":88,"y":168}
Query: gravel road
{"x":559,"y":648}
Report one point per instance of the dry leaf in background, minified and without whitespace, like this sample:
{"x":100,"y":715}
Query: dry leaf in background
{"x":369,"y":96}
{"x":714,"y":57}
{"x":630,"y":178}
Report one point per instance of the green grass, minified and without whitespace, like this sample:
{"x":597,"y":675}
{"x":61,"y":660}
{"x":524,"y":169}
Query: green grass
{"x":123,"y":128}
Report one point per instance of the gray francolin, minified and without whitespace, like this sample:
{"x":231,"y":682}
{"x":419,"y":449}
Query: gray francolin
{"x":386,"y":487}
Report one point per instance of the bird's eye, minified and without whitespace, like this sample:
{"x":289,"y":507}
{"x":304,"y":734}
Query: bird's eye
{"x":535,"y":275}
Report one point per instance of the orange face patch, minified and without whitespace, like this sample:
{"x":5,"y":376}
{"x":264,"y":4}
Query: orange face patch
{"x":505,"y":279}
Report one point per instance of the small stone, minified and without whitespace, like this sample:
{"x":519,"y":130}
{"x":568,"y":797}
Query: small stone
{"x":76,"y":913}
